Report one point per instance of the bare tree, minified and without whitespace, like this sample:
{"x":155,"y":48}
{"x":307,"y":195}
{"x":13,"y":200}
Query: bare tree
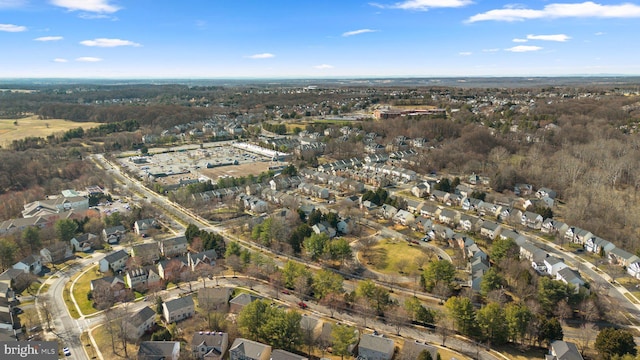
{"x":45,"y":306}
{"x":444,"y":326}
{"x":399,"y":317}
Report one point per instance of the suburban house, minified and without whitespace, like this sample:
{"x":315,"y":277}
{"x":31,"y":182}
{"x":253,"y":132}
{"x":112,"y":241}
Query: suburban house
{"x":244,"y":349}
{"x":171,"y":269}
{"x":546,"y":192}
{"x":448,"y":216}
{"x":215,"y":298}
{"x":209,"y":345}
{"x":412,"y":349}
{"x":570,"y":276}
{"x":404,"y":217}
{"x":30,"y":264}
{"x":634,"y":270}
{"x":207,"y":257}
{"x":345,"y":226}
{"x":531,"y":252}
{"x":420,"y":190}
{"x":489,"y":209}
{"x":553,"y":265}
{"x":597,"y":244}
{"x":490,"y":229}
{"x":84,"y":242}
{"x":375,"y":347}
{"x":413,"y":206}
{"x":145,"y":276}
{"x":113,"y":235}
{"x":239,"y":302}
{"x":114,"y":261}
{"x":174,"y":246}
{"x":280,"y":354}
{"x":622,"y":257}
{"x":577,"y":235}
{"x":324,"y":228}
{"x":388,"y":211}
{"x":159,"y":350}
{"x":467,"y":222}
{"x":550,"y":226}
{"x":471,"y":204}
{"x":141,"y":322}
{"x":563,"y":350}
{"x":148,"y":253}
{"x":142,"y":227}
{"x":429,"y":210}
{"x":532,"y":220}
{"x":439,"y":196}
{"x":55,"y":253}
{"x":113,"y":285}
{"x":178,"y":309}
{"x":422,"y":223}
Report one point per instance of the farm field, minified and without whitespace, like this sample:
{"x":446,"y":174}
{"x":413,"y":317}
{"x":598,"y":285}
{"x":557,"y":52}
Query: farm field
{"x":32,"y":126}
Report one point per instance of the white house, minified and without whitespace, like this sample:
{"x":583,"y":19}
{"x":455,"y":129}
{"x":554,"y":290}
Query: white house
{"x":178,"y":309}
{"x":30,"y":264}
{"x":553,"y":265}
{"x":114,"y":261}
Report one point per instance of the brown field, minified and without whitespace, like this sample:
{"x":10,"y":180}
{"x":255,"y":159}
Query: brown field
{"x":32,"y":126}
{"x":237,"y":170}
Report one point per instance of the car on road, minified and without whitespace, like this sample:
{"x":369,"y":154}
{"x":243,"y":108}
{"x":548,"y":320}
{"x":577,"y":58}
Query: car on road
{"x":302,"y":305}
{"x":66,"y":351}
{"x":17,"y":310}
{"x":285,"y":291}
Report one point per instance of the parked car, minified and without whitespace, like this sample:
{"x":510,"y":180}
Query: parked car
{"x":66,"y":351}
{"x":302,"y":305}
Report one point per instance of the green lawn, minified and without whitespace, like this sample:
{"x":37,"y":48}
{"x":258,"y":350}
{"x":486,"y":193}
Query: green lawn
{"x":82,"y":288}
{"x":66,"y":295}
{"x":396,"y":257}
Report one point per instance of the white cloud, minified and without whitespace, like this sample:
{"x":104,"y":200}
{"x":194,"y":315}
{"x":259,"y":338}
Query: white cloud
{"x":261,"y":56}
{"x":599,"y":33}
{"x":524,"y":48}
{"x":424,"y":5}
{"x":12,"y":28}
{"x":97,"y":6}
{"x":60,"y":60}
{"x":554,"y":11}
{"x":358,"y":32}
{"x":49,"y":38}
{"x":6,"y":4}
{"x":88,"y":16}
{"x":323,"y":66}
{"x":103,"y":42}
{"x":517,"y":40}
{"x":556,"y":37}
{"x":465,"y":53}
{"x":491,"y":50}
{"x":88,"y":59}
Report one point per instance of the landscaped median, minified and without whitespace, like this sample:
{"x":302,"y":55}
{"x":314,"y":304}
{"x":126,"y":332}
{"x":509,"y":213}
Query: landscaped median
{"x":81,"y":289}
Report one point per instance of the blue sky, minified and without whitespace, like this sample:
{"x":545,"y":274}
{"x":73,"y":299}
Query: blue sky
{"x":322,"y":38}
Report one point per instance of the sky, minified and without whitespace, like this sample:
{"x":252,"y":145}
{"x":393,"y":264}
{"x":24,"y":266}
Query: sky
{"x":317,"y":39}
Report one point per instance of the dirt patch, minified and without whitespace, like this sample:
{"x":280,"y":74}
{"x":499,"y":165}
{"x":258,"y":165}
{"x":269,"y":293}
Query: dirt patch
{"x":236,"y":170}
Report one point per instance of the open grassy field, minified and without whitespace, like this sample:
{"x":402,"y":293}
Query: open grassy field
{"x":82,"y":288}
{"x":392,"y":256}
{"x":32,"y":126}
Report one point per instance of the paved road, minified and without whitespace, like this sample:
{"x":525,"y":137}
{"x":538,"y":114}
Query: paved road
{"x":66,"y":329}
